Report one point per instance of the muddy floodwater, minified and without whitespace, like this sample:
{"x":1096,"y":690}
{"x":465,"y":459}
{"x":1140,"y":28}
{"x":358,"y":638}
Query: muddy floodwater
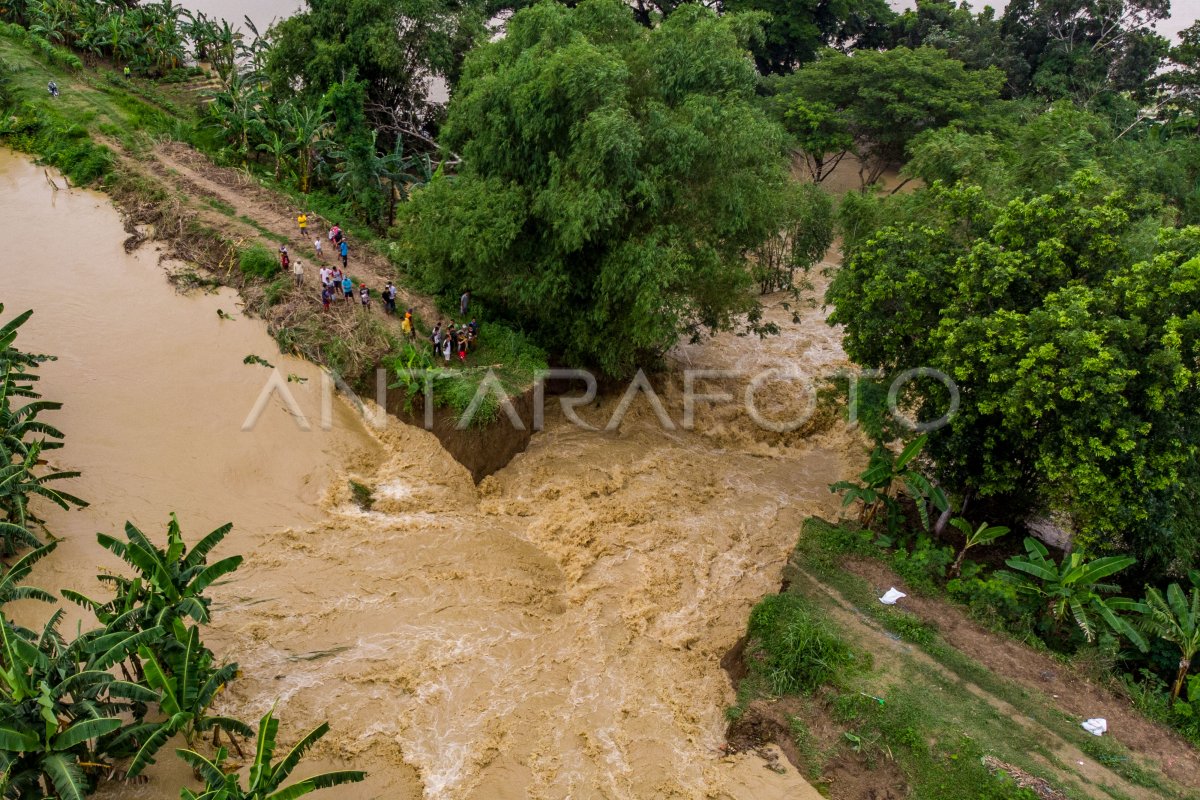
{"x":554,"y":632}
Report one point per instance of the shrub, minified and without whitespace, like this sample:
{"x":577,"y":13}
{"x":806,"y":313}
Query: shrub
{"x":993,"y":600}
{"x":793,"y":650}
{"x":909,"y":627}
{"x":258,"y":261}
{"x":923,"y":566}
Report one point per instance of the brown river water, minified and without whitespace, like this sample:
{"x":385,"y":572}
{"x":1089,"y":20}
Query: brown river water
{"x":554,"y":632}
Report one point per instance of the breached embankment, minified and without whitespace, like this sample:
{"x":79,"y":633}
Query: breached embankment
{"x":555,"y":631}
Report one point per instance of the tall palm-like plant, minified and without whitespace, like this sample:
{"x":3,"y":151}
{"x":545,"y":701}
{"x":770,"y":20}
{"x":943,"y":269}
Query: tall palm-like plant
{"x":278,"y":144}
{"x":18,"y":482}
{"x":266,"y":778}
{"x":187,"y":683}
{"x":60,"y":708}
{"x":973,"y":538}
{"x":170,"y":582}
{"x":223,"y":51}
{"x":884,"y":476}
{"x":23,"y":437}
{"x":237,"y":109}
{"x":1076,"y":588}
{"x":309,"y":125}
{"x":115,"y":36}
{"x":51,"y":21}
{"x":1176,"y":618}
{"x":10,"y":587}
{"x":404,"y":172}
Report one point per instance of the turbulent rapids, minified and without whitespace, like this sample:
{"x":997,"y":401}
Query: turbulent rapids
{"x":555,"y":631}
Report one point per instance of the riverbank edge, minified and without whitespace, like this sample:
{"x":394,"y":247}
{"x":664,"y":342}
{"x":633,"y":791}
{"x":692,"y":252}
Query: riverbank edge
{"x":150,"y":212}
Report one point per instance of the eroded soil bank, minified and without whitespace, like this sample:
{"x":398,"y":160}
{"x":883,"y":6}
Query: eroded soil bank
{"x":555,"y":631}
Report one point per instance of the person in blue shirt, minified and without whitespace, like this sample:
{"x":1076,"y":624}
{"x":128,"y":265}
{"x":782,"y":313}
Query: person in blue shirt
{"x":344,"y":251}
{"x":348,"y":287}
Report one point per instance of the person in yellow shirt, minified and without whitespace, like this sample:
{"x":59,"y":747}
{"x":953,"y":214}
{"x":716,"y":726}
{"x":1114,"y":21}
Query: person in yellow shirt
{"x":303,"y":220}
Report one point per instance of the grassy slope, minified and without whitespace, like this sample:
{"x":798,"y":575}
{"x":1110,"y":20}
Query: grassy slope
{"x":943,"y":713}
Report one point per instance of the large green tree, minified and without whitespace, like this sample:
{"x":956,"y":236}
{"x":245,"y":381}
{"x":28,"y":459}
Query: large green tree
{"x":976,"y":39}
{"x":876,"y":102}
{"x":1086,"y":49}
{"x":613,"y":178}
{"x":1068,"y":321}
{"x":798,"y":29}
{"x":394,"y":46}
{"x":1181,"y":81}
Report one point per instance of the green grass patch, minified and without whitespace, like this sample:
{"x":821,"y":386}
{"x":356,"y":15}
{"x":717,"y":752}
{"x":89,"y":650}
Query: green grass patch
{"x":276,"y":290}
{"x":258,"y":261}
{"x":43,"y":48}
{"x":32,"y":128}
{"x":220,"y":205}
{"x":501,"y":358}
{"x":265,"y":232}
{"x":793,"y":650}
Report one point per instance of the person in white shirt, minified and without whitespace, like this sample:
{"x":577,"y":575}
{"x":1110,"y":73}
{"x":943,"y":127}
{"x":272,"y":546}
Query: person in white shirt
{"x":298,"y":271}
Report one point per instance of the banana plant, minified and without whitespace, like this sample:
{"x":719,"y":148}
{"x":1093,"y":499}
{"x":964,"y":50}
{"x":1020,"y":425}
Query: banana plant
{"x":1177,"y":619}
{"x":59,"y":709}
{"x":1075,"y":587}
{"x":10,"y":586}
{"x":266,"y":778}
{"x":170,"y":582}
{"x":19,"y":481}
{"x":187,"y":684}
{"x":973,"y":538}
{"x":15,"y":363}
{"x":23,"y":437}
{"x":883,"y":474}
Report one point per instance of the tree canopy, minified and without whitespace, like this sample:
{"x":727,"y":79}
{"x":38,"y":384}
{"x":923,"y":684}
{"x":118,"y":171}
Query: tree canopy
{"x":798,"y":29}
{"x":1068,"y":321}
{"x":976,"y":39}
{"x":876,"y":102}
{"x":1083,"y":49}
{"x":393,"y":46}
{"x":613,"y":178}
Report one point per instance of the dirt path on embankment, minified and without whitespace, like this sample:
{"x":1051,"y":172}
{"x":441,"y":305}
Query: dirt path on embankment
{"x":190,"y":172}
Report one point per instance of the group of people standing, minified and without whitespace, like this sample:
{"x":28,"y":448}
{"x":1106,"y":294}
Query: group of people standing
{"x":337,"y":283}
{"x":454,"y":339}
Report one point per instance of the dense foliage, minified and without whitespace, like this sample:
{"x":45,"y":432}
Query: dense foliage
{"x":1067,"y":320}
{"x":613,"y":178}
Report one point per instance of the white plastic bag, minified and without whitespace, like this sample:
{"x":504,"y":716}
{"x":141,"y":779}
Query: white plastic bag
{"x":1095,"y":726}
{"x":891,"y":596}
